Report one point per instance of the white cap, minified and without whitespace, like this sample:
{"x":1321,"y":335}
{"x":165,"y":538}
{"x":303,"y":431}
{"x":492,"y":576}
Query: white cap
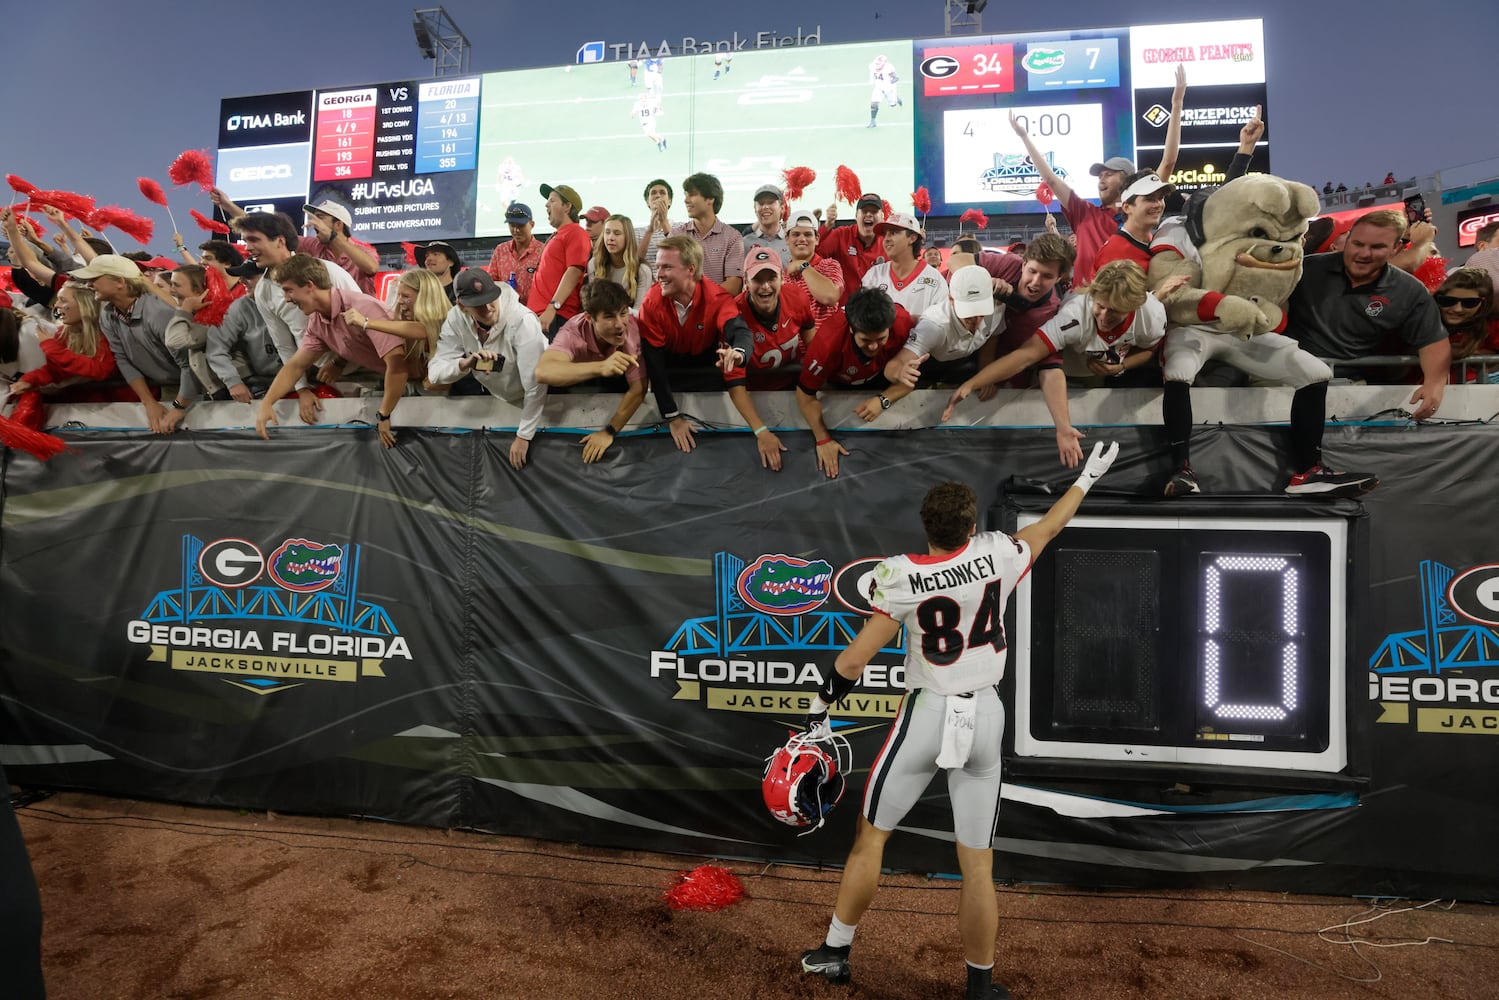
{"x":900,"y":220}
{"x":1149,"y":184}
{"x":333,"y":208}
{"x":972,"y":292}
{"x":802,"y":220}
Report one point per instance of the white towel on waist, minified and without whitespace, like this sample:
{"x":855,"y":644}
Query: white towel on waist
{"x":957,"y":730}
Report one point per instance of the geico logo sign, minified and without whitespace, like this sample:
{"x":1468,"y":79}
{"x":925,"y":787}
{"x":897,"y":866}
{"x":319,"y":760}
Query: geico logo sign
{"x":269,"y":172}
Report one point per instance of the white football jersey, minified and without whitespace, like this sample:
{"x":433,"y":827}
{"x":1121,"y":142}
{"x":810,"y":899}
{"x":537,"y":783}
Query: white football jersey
{"x":1072,"y":329}
{"x":953,"y":610}
{"x":923,"y":288}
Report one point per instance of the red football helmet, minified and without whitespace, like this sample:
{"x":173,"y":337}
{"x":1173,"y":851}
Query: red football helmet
{"x":804,"y":778}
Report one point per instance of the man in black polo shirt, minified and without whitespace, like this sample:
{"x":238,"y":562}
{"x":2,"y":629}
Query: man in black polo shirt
{"x":1349,"y":304}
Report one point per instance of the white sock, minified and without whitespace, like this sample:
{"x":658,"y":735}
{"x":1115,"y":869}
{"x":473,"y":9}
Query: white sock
{"x":840,"y":935}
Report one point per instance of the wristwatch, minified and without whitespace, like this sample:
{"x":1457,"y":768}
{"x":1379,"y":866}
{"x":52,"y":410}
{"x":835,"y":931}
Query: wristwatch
{"x":379,"y":417}
{"x":884,"y":402}
{"x":556,"y":306}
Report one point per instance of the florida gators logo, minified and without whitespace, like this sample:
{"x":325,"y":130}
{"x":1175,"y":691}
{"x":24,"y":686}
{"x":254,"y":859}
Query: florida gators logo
{"x":303,"y":566}
{"x":784,"y":585}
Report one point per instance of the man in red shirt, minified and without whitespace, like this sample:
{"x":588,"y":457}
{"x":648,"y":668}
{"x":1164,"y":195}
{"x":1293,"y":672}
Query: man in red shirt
{"x":851,"y":348}
{"x":554,"y":291}
{"x":516,"y":262}
{"x":779,"y":316}
{"x":819,"y":277}
{"x":1144,"y":201}
{"x":687,"y":321}
{"x":856,"y":248}
{"x":305,"y":283}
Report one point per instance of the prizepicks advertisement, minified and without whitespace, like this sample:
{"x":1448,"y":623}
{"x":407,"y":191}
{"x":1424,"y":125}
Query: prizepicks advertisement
{"x":416,"y":161}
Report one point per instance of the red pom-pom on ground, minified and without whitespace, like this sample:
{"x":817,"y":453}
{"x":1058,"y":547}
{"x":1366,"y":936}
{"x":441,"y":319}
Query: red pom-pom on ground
{"x":706,"y":887}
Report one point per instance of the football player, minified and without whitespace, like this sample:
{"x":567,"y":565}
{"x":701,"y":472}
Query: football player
{"x":951,"y":602}
{"x":646,"y":110}
{"x":882,"y":78}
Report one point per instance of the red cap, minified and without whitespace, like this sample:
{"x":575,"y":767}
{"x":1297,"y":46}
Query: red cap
{"x":597,"y":213}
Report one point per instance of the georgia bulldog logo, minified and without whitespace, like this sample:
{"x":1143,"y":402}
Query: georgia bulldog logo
{"x":1376,"y":306}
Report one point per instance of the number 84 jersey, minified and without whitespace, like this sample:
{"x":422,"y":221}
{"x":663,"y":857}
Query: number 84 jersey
{"x":953,"y":610}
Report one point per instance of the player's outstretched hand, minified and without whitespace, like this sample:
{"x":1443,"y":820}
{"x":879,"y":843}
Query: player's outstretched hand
{"x":1098,"y":464}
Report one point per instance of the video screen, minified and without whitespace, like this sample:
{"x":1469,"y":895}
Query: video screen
{"x":423,"y":160}
{"x":608,"y":129}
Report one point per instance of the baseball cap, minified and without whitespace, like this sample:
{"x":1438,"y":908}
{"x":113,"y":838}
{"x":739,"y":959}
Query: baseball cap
{"x":802,"y":220}
{"x":334,"y":209}
{"x":475,"y":287}
{"x":899,"y":220}
{"x":110,"y":265}
{"x":1149,"y":184}
{"x":597,"y":213}
{"x":769,"y":189}
{"x":1118,"y":163}
{"x":761,"y":259}
{"x":518,"y":213}
{"x":566,"y":193}
{"x":420,"y":253}
{"x":246,"y":269}
{"x":868,"y":200}
{"x":972,"y":292}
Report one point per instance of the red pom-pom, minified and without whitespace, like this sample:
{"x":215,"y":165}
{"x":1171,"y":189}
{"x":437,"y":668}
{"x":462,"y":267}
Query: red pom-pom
{"x":152,"y":191}
{"x":410,"y":250}
{"x":216,"y":299}
{"x":22,"y":430}
{"x":205,"y":223}
{"x":797,"y":179}
{"x":1432,"y":272}
{"x":1044,"y":193}
{"x":846,"y":183}
{"x":21,"y":217}
{"x":126,"y":221}
{"x":74,"y":206}
{"x":706,"y":887}
{"x":885,"y":207}
{"x":192,"y":166}
{"x":921,"y":200}
{"x":973,"y":215}
{"x":20,"y":185}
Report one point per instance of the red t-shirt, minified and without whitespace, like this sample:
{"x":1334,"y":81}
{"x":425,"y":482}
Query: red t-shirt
{"x":700,"y":332}
{"x":1093,"y":226}
{"x":833,"y":357}
{"x":842,"y":244}
{"x":1123,"y":246}
{"x":568,"y":247}
{"x":772,"y":350}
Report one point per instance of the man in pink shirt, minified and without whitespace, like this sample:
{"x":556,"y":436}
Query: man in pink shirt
{"x":305,"y":283}
{"x":602,"y":342}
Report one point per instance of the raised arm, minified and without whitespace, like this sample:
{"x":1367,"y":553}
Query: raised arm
{"x":1058,"y":186}
{"x":1174,"y":128}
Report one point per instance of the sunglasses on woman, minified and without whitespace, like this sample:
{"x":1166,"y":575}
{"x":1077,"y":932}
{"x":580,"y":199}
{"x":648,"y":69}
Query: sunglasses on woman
{"x":1460,"y":301}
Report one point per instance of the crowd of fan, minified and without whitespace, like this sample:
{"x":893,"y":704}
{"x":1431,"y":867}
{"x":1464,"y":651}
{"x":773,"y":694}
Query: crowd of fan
{"x":797,"y":303}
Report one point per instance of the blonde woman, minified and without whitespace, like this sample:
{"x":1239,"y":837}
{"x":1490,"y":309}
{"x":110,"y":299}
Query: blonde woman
{"x":616,"y":257}
{"x":421,"y":306}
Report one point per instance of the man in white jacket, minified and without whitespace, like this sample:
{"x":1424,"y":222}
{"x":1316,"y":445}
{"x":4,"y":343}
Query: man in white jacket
{"x":491,"y":334}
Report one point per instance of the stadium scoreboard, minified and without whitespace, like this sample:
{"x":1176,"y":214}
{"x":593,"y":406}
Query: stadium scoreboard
{"x":441,"y":159}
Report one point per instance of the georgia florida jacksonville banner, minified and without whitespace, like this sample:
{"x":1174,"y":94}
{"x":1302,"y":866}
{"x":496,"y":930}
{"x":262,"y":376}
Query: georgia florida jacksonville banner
{"x":607,"y":653}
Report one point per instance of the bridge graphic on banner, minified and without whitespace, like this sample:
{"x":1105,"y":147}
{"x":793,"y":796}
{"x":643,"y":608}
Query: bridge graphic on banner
{"x":1444,"y":642}
{"x":735,"y":627}
{"x":337,"y":606}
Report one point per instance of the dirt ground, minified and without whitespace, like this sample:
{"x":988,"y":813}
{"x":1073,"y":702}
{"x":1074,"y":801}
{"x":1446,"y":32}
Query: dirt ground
{"x":145,"y":900}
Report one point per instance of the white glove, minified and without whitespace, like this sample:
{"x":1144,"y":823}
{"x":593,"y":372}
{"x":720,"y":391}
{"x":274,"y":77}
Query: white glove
{"x":1098,"y":464}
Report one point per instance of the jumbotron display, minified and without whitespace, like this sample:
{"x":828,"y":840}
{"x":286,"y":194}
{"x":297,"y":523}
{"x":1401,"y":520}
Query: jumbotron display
{"x":421,"y":160}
